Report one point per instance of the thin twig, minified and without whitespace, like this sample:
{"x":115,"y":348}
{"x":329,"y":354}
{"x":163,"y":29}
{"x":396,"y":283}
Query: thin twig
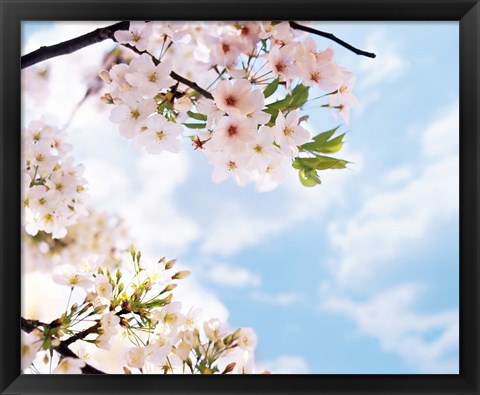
{"x":330,"y":36}
{"x":174,"y":75}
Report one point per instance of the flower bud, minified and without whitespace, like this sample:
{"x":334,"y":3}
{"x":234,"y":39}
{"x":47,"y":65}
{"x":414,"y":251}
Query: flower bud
{"x":105,"y":76}
{"x":181,"y":275}
{"x":170,"y":263}
{"x":229,"y":368}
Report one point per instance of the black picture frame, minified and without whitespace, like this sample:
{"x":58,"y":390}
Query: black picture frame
{"x":466,"y":12}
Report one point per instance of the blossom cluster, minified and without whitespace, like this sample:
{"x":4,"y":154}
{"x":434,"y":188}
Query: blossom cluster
{"x":248,"y":120}
{"x":54,"y":188}
{"x":132,"y":309}
{"x":99,"y":233}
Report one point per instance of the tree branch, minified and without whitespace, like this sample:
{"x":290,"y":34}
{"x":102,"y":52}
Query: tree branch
{"x":66,"y":47}
{"x":29,"y":325}
{"x":94,"y":37}
{"x":330,"y":36}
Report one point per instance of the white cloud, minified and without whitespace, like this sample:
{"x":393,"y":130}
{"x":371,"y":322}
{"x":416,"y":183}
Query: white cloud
{"x":242,"y":220}
{"x":230,"y":276}
{"x":193,"y":294}
{"x":390,"y":317}
{"x":284,"y":364}
{"x":389,"y":64}
{"x":400,"y":214}
{"x":280,"y":299}
{"x":442,"y":136}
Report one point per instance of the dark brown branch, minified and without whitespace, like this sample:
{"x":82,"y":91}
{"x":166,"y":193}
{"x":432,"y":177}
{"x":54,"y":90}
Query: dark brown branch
{"x":83,"y":334}
{"x":330,"y":36}
{"x":94,"y":37}
{"x":66,"y":47}
{"x":29,"y":325}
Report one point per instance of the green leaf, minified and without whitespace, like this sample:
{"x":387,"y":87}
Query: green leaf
{"x":271,"y":88}
{"x":323,"y":137}
{"x":299,"y":97}
{"x":320,"y":162}
{"x":196,"y":115}
{"x":309,"y":177}
{"x":195,"y":125}
{"x":280,"y":104}
{"x":325,"y":147}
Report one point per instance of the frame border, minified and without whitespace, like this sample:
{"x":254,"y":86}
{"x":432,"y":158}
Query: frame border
{"x":467,"y":12}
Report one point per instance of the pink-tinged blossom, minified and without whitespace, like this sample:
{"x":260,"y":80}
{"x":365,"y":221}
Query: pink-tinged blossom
{"x":209,"y":108}
{"x":130,"y":112}
{"x":272,"y":175}
{"x":225,"y":50}
{"x":323,"y":75}
{"x":289,"y":134}
{"x":226,"y":165}
{"x":137,"y":35}
{"x":157,"y":134}
{"x":235,"y":97}
{"x":147,"y":77}
{"x":231,"y":133}
{"x":282,"y":61}
{"x":258,"y":101}
{"x":250,"y":35}
{"x":280,"y":33}
{"x":260,"y":150}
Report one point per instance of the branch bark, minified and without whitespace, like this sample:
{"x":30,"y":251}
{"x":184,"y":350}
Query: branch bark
{"x":73,"y":45}
{"x":330,"y":36}
{"x":62,"y":348}
{"x":96,"y":36}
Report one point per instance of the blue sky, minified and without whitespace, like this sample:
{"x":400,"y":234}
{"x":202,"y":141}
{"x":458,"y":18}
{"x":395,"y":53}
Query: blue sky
{"x":358,"y":275}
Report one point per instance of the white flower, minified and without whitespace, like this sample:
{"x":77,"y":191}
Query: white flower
{"x":289,"y":134}
{"x":215,"y":329}
{"x":272,"y":175}
{"x":192,"y":318}
{"x":226,"y":164}
{"x":71,"y":277}
{"x":183,"y":350}
{"x":103,"y":286}
{"x":69,"y":366}
{"x":135,"y":357}
{"x":235,"y":97}
{"x":261,"y":150}
{"x":247,"y":339}
{"x":157,"y":135}
{"x":103,"y":341}
{"x":137,"y":35}
{"x":148,"y":78}
{"x":110,"y":323}
{"x":130,"y":112}
{"x":31,"y":344}
{"x":171,"y":316}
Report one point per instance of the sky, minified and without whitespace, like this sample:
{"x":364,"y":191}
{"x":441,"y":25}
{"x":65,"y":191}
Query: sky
{"x":358,"y":275}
